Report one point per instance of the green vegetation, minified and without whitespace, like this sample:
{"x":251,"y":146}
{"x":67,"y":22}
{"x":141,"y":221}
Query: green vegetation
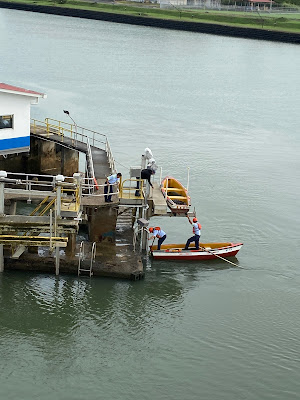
{"x":290,"y":3}
{"x":277,"y":22}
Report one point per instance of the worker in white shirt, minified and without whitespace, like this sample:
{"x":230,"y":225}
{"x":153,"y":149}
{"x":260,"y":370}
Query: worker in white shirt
{"x":197,"y":233}
{"x":109,"y":184}
{"x":158,"y":233}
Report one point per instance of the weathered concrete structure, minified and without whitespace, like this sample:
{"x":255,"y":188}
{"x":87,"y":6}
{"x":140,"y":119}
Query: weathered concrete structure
{"x":53,"y":213}
{"x":76,"y":202}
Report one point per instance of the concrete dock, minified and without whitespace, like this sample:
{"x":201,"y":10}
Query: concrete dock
{"x":54,"y":218}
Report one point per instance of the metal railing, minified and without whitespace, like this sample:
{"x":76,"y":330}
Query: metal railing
{"x":89,"y":188}
{"x":130,"y":191}
{"x":90,"y":167}
{"x":76,"y":134}
{"x":217,"y":5}
{"x":47,"y":183}
{"x":110,"y":157}
{"x":30,"y":182}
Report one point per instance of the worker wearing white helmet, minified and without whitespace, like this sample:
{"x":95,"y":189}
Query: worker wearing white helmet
{"x":197,"y":233}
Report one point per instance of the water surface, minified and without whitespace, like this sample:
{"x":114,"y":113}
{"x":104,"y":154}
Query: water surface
{"x":229,"y":110}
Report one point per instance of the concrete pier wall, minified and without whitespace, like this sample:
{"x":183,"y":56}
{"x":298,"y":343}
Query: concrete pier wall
{"x":102,"y":223}
{"x":99,"y":219}
{"x":45,"y":157}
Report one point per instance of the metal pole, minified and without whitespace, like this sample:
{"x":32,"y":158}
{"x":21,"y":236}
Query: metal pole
{"x":1,"y":198}
{"x":188,"y":180}
{"x":167,"y":185}
{"x":143,"y":162}
{"x":68,"y":114}
{"x":55,"y":219}
{"x":144,"y":238}
{"x":58,"y":200}
{"x":57,"y":260}
{"x":59,"y":181}
{"x":1,"y":258}
{"x":51,"y":230}
{"x":29,"y":194}
{"x":160,"y":178}
{"x":77,"y":181}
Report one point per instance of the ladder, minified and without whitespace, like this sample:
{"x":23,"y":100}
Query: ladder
{"x":86,"y":266}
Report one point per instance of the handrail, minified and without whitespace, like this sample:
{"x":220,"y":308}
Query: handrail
{"x":110,"y":157}
{"x":74,"y":190}
{"x":91,"y":136}
{"x":78,"y":127}
{"x":124,"y":188}
{"x":81,"y":256}
{"x":87,"y":184}
{"x":90,"y":166}
{"x":95,"y":193}
{"x":70,"y":132}
{"x":85,"y":136}
{"x":93,"y":257}
{"x":90,"y":157}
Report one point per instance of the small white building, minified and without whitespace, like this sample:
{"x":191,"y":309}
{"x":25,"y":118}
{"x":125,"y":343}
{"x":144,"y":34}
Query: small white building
{"x":15,"y":118}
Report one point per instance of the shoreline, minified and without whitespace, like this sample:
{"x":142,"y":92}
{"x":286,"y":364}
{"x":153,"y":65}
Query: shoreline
{"x":199,"y":27}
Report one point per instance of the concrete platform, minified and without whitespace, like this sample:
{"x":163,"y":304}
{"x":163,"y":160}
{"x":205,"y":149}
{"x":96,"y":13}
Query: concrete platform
{"x":112,"y":260}
{"x":14,"y":223}
{"x":157,"y":201}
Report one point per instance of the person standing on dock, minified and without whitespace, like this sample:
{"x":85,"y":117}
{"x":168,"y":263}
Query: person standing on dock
{"x":159,"y":233}
{"x":108,"y":188}
{"x":197,"y":233}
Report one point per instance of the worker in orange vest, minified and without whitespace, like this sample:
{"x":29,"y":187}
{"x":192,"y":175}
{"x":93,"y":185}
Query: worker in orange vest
{"x":197,"y":233}
{"x":159,"y":233}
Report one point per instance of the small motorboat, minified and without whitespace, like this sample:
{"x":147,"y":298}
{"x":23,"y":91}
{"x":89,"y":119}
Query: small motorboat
{"x":207,"y":251}
{"x":176,"y":195}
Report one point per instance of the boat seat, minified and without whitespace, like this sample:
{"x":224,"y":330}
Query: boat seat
{"x":177,"y":197}
{"x":174,"y":189}
{"x":172,"y":193}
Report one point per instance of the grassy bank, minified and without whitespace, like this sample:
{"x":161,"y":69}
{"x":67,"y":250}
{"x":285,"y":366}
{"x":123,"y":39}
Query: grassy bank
{"x":271,"y":22}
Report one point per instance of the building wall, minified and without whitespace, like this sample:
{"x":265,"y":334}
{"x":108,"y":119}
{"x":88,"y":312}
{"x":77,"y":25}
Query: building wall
{"x":17,"y":138}
{"x":45,"y":157}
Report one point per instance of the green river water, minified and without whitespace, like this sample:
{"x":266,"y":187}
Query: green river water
{"x":226,"y":108}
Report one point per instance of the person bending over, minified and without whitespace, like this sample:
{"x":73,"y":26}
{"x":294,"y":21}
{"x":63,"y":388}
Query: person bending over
{"x":145,"y":174}
{"x":157,"y":232}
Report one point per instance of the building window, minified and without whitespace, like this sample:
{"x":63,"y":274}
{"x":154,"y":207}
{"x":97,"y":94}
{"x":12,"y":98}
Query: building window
{"x":6,"y":121}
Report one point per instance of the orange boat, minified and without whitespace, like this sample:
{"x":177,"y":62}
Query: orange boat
{"x":176,"y":195}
